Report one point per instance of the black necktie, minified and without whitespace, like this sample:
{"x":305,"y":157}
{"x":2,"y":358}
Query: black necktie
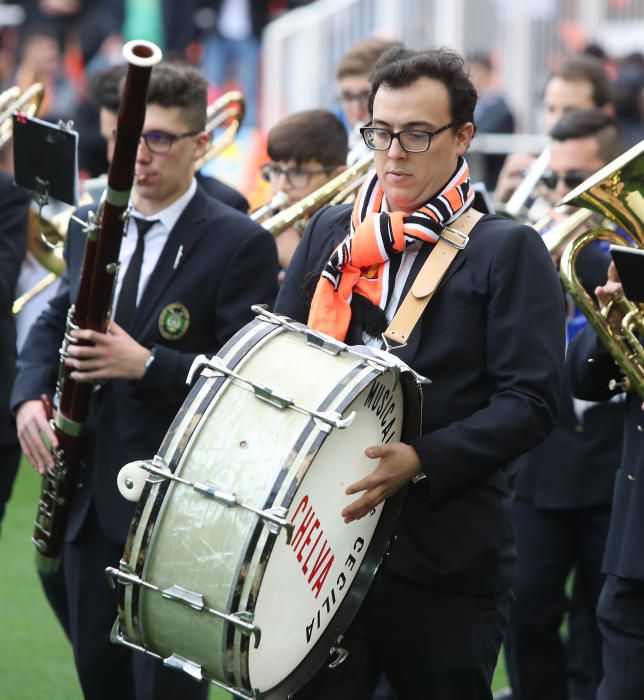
{"x":126,"y":304}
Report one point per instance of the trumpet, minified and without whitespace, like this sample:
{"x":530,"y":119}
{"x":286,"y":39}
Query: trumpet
{"x":272,"y":207}
{"x":228,"y":109}
{"x":615,"y":192}
{"x":516,"y":207}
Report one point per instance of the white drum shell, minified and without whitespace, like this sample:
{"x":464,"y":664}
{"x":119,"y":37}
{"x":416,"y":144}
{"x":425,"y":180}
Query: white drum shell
{"x":267,"y":457}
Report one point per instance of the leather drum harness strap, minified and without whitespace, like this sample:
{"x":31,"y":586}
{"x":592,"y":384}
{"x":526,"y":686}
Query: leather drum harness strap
{"x":453,"y":238}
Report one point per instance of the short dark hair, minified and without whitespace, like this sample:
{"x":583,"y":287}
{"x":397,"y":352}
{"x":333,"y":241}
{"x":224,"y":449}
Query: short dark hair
{"x":400,"y":67}
{"x":174,"y":85}
{"x":361,"y":57}
{"x":590,"y":69}
{"x":314,"y":134}
{"x":595,"y":123}
{"x":105,"y":87}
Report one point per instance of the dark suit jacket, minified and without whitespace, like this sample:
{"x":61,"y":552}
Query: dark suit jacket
{"x":492,"y":343}
{"x":14,"y":210}
{"x":228,"y":263}
{"x":592,"y":367}
{"x":575,"y":466}
{"x":223,"y":192}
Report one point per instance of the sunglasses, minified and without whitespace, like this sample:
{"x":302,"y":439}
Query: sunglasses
{"x":571,"y":179}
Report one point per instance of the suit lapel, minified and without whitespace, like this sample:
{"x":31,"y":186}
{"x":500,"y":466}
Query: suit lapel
{"x":182,"y":238}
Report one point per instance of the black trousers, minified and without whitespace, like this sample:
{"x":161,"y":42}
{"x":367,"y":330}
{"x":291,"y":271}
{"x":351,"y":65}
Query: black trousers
{"x":621,"y":620}
{"x":429,"y":643}
{"x":8,"y":470}
{"x":550,"y":544}
{"x":108,"y":671}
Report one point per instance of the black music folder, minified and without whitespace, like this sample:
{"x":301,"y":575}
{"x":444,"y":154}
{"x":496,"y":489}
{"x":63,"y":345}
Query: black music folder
{"x":45,"y":159}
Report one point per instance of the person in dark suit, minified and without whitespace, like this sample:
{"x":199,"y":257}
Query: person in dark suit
{"x":106,"y":96}
{"x":564,"y":486}
{"x":491,"y":341}
{"x":186,"y":286}
{"x":493,"y":114}
{"x":620,"y":611}
{"x":232,"y":33}
{"x":14,"y":209}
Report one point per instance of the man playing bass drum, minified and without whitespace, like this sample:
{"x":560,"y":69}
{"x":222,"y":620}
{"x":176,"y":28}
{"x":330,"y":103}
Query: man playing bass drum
{"x":190,"y":270}
{"x":491,"y":341}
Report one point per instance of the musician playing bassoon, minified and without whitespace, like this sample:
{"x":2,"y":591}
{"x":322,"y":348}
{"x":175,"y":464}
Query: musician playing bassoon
{"x":190,"y":270}
{"x":491,"y":342}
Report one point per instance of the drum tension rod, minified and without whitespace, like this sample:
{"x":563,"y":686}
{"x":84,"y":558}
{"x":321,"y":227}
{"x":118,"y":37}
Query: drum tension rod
{"x":274,"y":518}
{"x":179,"y":662}
{"x":216,"y":366}
{"x":193,"y":600}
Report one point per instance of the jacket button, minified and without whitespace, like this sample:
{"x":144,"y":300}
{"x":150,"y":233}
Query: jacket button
{"x":579,"y":428}
{"x":640,"y":428}
{"x":630,"y":477}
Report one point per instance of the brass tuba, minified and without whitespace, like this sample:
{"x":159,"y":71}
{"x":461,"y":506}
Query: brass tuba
{"x":616,"y":192}
{"x":16,"y":100}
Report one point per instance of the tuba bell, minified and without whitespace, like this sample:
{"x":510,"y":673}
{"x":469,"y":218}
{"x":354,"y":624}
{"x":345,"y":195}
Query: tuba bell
{"x":14,"y":99}
{"x":616,"y":192}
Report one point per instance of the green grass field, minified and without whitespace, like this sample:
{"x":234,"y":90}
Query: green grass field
{"x":35,"y":657}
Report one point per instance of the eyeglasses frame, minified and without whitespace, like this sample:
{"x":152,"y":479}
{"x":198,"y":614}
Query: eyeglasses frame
{"x":396,"y":135}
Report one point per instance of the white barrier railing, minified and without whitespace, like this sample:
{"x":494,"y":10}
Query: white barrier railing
{"x":525,"y":38}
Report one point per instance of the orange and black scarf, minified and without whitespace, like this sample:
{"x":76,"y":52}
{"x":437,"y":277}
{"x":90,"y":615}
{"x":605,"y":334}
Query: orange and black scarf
{"x":361,"y":263}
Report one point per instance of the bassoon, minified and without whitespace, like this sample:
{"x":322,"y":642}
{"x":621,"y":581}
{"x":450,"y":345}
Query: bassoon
{"x":91,"y":309}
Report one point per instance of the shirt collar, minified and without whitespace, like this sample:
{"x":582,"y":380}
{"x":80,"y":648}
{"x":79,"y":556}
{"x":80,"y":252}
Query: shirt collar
{"x":169,"y":216}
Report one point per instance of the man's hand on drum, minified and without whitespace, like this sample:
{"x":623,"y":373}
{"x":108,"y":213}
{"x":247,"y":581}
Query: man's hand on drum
{"x":34,"y":432}
{"x":111,"y":355}
{"x":398,"y":463}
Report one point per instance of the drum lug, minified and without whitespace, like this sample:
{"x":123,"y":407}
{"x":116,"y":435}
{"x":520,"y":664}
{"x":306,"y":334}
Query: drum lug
{"x":183,"y":595}
{"x":182,"y":664}
{"x":324,"y":343}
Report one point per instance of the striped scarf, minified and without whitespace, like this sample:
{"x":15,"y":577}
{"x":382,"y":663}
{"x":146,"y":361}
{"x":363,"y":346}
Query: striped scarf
{"x":361,"y":264}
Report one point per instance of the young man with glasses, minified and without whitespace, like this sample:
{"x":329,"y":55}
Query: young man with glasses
{"x":191,"y":268}
{"x":106,"y":95}
{"x":490,"y":340}
{"x":307,"y":149}
{"x":564,"y":486}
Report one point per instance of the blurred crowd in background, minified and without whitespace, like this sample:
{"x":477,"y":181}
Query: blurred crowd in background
{"x":64,"y":43}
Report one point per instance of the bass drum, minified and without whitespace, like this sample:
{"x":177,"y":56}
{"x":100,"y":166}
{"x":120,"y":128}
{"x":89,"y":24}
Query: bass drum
{"x":238,"y":567}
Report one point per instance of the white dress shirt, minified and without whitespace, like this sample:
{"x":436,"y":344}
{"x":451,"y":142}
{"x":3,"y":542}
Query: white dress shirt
{"x":155,"y":240}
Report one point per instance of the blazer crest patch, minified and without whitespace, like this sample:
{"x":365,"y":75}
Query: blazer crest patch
{"x":174,"y":321}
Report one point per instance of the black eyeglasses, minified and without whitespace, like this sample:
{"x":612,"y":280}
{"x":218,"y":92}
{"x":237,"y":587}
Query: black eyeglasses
{"x":161,"y":141}
{"x":411,"y":140}
{"x":296,"y":177}
{"x":347,"y":97}
{"x":571,"y":179}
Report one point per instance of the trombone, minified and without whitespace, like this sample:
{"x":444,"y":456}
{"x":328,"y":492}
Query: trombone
{"x":335,"y":191}
{"x":228,"y":109}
